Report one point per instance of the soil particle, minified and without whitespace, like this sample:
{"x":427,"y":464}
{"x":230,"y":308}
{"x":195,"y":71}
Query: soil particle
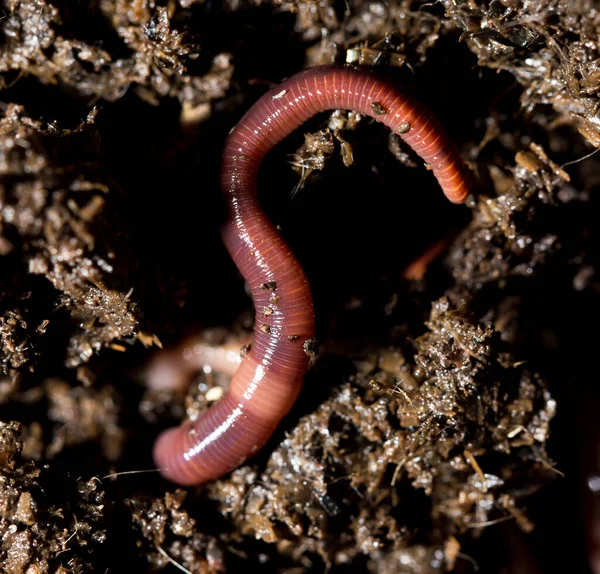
{"x":171,"y":535}
{"x":49,"y":208}
{"x":419,"y":431}
{"x":148,"y":53}
{"x":43,"y":525}
{"x":425,"y":418}
{"x":83,"y":415}
{"x":554,"y":56}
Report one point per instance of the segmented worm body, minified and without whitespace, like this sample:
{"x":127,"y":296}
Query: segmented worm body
{"x":270,"y":377}
{"x":171,"y":369}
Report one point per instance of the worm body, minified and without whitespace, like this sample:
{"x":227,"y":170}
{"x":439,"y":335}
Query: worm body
{"x":268,"y":381}
{"x":171,"y":369}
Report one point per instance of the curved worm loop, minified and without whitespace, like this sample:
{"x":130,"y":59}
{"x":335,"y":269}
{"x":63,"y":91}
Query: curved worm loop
{"x":270,"y":377}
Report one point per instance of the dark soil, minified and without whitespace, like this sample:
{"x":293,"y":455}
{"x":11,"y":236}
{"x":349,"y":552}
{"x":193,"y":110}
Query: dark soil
{"x":440,"y":427}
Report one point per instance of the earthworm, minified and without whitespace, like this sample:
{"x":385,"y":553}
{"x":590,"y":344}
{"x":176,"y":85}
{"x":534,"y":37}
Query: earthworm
{"x":416,"y":269}
{"x":172,"y":368}
{"x":270,"y":377}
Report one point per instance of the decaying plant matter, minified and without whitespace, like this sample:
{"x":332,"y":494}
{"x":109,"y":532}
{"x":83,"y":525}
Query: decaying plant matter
{"x":438,"y":426}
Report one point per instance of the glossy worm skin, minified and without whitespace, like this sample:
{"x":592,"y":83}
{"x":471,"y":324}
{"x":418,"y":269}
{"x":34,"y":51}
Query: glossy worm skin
{"x":270,"y":377}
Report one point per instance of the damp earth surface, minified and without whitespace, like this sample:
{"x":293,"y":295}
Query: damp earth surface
{"x":440,"y":427}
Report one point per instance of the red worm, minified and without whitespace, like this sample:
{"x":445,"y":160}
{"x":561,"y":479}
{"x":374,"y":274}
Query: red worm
{"x":270,"y":377}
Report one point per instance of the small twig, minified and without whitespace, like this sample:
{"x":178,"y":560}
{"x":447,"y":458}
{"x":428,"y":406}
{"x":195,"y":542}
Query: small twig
{"x":469,"y":559}
{"x":473,"y":462}
{"x":489,"y":522}
{"x":176,"y":564}
{"x":581,"y":158}
{"x":115,"y":474}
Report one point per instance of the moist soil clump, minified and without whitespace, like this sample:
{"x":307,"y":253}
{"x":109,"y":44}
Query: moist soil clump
{"x":439,"y":428}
